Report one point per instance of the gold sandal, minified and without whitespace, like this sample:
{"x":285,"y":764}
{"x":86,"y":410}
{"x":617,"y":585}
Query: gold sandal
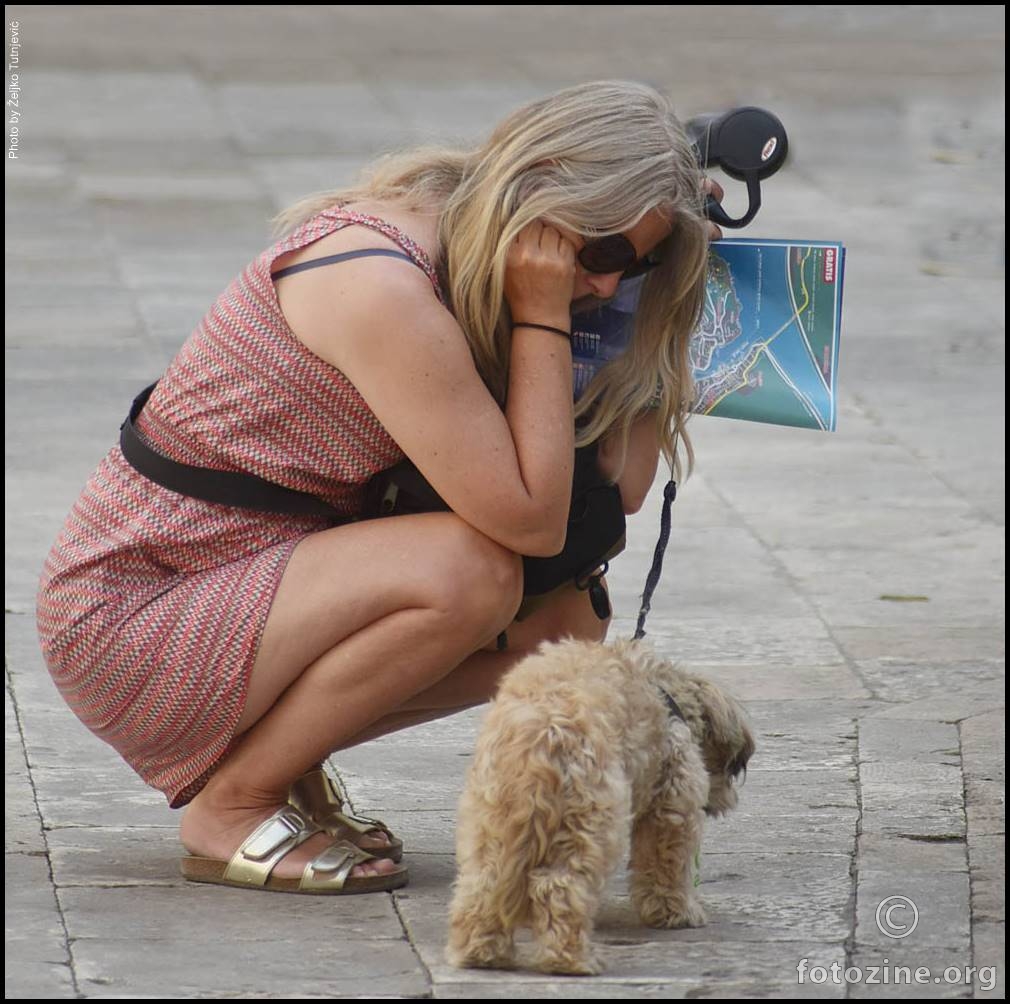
{"x":316,"y":795}
{"x":329,"y":873}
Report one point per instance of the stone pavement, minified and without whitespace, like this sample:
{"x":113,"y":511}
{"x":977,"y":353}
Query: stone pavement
{"x":848,"y":586}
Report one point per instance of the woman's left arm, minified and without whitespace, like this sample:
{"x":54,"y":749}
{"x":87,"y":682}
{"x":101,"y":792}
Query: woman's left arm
{"x":642,"y":463}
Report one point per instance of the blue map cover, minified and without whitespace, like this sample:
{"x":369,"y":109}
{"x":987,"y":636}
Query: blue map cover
{"x":767,"y":346}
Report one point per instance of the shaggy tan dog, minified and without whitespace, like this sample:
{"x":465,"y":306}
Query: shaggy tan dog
{"x":587,"y":748}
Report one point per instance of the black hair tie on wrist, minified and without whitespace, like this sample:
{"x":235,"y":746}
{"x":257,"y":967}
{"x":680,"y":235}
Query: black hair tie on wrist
{"x":545,"y":327}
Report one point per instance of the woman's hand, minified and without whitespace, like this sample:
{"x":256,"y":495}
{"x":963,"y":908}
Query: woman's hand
{"x":540,"y":275}
{"x":712,"y":187}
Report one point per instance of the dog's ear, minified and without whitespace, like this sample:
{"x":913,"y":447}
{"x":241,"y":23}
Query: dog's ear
{"x":738,"y":765}
{"x":729,"y":741}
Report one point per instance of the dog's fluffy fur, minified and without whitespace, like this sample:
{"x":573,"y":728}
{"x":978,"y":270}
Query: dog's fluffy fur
{"x":578,"y":757}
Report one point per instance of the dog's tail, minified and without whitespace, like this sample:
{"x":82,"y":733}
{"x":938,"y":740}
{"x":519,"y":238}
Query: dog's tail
{"x":543,"y":783}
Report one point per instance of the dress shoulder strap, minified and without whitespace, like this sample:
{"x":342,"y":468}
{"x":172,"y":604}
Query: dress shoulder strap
{"x":414,"y":250}
{"x":333,"y":258}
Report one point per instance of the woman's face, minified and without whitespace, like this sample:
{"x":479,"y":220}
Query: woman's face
{"x":591,"y":287}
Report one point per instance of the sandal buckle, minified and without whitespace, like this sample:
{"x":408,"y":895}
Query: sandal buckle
{"x":279,"y":829}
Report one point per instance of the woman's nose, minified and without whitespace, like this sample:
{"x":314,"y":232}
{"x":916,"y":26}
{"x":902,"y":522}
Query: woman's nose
{"x":603,"y":285}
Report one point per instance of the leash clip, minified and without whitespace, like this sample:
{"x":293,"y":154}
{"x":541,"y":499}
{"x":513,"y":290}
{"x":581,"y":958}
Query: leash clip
{"x":597,"y":594}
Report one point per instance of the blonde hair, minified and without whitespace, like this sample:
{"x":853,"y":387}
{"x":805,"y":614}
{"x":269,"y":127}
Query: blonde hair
{"x":594,"y":158}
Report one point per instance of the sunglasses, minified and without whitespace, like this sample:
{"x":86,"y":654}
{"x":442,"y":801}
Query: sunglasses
{"x":615,"y":253}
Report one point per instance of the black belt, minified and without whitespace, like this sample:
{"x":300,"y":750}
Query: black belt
{"x":226,"y":487}
{"x":248,"y":491}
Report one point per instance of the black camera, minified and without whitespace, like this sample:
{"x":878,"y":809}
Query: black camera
{"x":748,"y":144}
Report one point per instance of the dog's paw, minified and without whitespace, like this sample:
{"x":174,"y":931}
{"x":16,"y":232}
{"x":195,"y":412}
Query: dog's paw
{"x":487,"y":950}
{"x":584,"y":965}
{"x":681,"y":912}
{"x":481,"y":960}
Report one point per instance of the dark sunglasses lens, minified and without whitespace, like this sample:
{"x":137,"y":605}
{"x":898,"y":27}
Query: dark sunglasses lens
{"x":608,"y":254}
{"x":646,"y":264}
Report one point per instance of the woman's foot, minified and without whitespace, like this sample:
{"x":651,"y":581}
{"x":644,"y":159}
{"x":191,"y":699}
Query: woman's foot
{"x":214,"y":830}
{"x":318,"y":797}
{"x":370,"y":841}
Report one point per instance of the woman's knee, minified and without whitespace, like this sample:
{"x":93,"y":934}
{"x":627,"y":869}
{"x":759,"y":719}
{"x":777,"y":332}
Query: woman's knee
{"x":479,"y":578}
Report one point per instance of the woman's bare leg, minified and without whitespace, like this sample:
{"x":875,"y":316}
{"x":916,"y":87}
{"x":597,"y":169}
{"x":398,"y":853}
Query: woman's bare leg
{"x":259,"y":771}
{"x":476,"y":679}
{"x":366,"y":616}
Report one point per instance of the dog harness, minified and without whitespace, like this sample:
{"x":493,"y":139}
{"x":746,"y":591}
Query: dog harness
{"x":673,"y":706}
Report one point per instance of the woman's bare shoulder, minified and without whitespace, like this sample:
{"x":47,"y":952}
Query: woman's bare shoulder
{"x":315,"y":301}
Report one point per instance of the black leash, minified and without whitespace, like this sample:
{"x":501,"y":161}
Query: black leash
{"x":669,"y":494}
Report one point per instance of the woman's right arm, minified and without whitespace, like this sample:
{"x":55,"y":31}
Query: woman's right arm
{"x":509,"y":474}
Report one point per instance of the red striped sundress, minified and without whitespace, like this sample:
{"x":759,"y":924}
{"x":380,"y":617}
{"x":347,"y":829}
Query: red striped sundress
{"x":151,"y":604}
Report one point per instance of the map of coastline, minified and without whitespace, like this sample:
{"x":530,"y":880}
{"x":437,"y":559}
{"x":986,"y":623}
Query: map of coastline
{"x":767,"y":347}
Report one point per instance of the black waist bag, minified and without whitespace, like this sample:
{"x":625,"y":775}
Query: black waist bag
{"x":596,"y":523}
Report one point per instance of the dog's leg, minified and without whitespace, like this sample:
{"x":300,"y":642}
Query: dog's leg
{"x":480,"y":928}
{"x":565,"y":893}
{"x":563,"y":905}
{"x":664,"y":842}
{"x":478,"y":938}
